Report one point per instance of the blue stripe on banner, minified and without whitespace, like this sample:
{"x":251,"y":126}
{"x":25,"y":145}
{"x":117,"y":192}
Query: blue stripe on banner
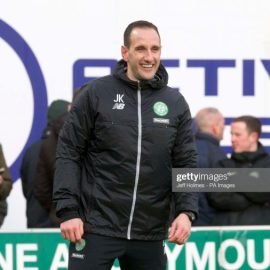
{"x":227,"y":149}
{"x":265,"y":135}
{"x":264,"y":120}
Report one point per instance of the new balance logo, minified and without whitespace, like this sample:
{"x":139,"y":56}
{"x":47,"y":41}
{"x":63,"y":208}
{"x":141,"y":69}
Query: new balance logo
{"x":119,"y":102}
{"x":118,"y":106}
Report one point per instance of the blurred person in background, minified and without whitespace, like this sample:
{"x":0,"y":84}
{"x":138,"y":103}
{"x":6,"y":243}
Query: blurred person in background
{"x":37,"y":216}
{"x":5,"y":186}
{"x":243,"y":208}
{"x":210,"y":127}
{"x":43,"y":184}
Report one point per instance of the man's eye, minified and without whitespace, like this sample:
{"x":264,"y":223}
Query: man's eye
{"x":155,"y":49}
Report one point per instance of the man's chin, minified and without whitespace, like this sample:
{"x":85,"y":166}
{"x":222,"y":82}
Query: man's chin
{"x":147,"y":77}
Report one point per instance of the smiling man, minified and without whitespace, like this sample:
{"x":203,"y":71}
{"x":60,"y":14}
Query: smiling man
{"x":141,"y":52}
{"x":113,"y":186}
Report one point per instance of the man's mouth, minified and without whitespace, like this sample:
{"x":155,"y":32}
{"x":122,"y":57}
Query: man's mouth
{"x":147,"y":66}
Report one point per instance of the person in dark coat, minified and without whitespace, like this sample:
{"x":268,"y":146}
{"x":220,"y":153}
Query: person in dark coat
{"x":210,"y":126}
{"x":37,"y":216}
{"x":5,"y":186}
{"x":114,"y":157}
{"x":243,"y":208}
{"x":43,"y":184}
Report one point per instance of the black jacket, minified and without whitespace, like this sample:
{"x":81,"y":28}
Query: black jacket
{"x":243,"y":208}
{"x":209,"y":150}
{"x":115,"y":154}
{"x":37,"y":216}
{"x":210,"y":153}
{"x":43,"y":185}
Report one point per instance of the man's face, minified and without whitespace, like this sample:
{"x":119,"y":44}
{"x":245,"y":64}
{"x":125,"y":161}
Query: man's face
{"x":143,"y":54}
{"x":242,"y":139}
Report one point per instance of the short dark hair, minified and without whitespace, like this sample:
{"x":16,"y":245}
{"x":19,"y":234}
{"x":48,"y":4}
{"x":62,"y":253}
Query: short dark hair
{"x":137,"y":24}
{"x":253,"y":124}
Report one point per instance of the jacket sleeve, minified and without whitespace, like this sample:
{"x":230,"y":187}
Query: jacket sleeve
{"x":229,"y":201}
{"x":184,"y":155}
{"x":24,"y":177}
{"x":71,"y":148}
{"x":6,"y":185}
{"x":43,"y":181}
{"x":262,"y":198}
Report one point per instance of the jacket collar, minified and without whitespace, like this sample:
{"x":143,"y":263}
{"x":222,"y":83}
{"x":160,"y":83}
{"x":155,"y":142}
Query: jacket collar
{"x":250,"y":156}
{"x":207,"y":137}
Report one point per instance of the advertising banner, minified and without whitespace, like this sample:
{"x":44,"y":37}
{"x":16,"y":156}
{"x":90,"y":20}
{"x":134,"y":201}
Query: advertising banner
{"x":236,"y":248}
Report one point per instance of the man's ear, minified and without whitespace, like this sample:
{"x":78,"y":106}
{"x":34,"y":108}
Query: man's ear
{"x":124,"y":52}
{"x":254,"y":136}
{"x":214,"y":129}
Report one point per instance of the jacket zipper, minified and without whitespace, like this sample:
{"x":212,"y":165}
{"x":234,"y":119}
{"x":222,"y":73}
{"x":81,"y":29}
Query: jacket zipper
{"x":139,"y":149}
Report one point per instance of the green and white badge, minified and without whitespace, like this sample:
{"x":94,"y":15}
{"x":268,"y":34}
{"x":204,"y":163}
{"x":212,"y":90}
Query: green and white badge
{"x":160,"y":108}
{"x":79,"y":246}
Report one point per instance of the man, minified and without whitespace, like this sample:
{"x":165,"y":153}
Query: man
{"x":244,"y":208}
{"x":114,"y":159}
{"x":43,"y":184}
{"x":37,"y":216}
{"x":210,"y":127}
{"x":5,"y":186}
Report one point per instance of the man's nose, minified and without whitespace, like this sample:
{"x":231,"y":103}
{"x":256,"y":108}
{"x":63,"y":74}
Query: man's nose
{"x":148,"y":55}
